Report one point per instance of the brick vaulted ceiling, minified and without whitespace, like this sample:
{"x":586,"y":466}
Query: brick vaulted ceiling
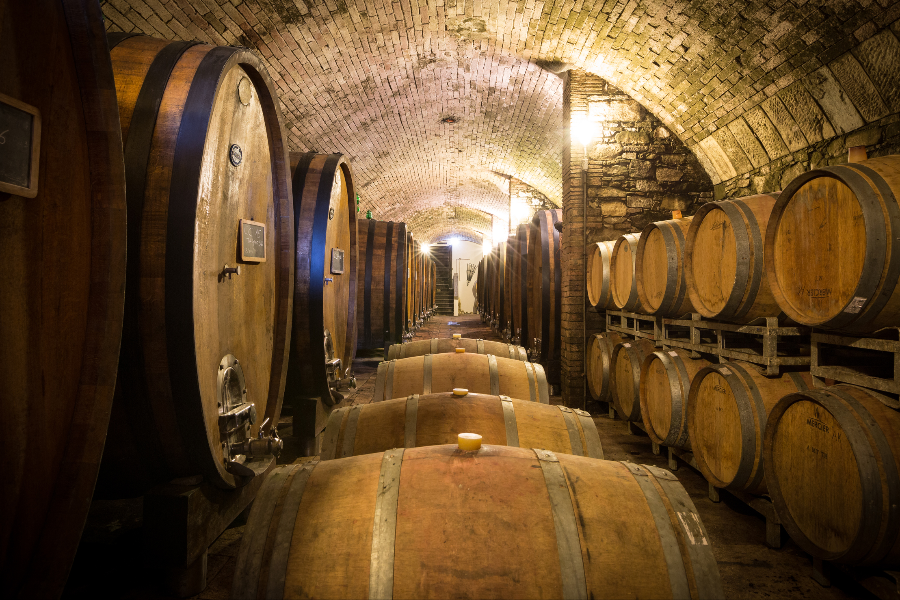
{"x":374,"y":79}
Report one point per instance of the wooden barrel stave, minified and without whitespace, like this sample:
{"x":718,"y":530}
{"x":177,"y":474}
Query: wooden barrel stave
{"x":832,"y":471}
{"x":438,"y":418}
{"x":598,"y":275}
{"x":445,"y":345}
{"x":518,"y":291}
{"x":629,"y":519}
{"x":827,"y":258}
{"x":623,"y":282}
{"x":325,"y":287}
{"x":728,"y":407}
{"x":625,"y":376}
{"x":660,"y":268}
{"x":666,"y":378}
{"x":383,"y":274}
{"x":183,"y":311}
{"x":62,"y":296}
{"x":598,"y":355}
{"x":478,"y":373}
{"x":725,"y":262}
{"x":545,"y":291}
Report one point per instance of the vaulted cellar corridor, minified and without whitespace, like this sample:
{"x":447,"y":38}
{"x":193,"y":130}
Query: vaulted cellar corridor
{"x":239,"y":233}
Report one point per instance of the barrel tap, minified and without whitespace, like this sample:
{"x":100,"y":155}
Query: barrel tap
{"x":517,"y":339}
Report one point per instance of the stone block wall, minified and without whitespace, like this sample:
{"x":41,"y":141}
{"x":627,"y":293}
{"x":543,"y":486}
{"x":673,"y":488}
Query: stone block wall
{"x":524,"y":202}
{"x":638,"y":172}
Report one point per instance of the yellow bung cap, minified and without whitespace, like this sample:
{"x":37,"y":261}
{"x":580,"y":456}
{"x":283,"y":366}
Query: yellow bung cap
{"x":457,"y":336}
{"x":460,"y":350}
{"x":460,"y":391}
{"x":469,"y":442}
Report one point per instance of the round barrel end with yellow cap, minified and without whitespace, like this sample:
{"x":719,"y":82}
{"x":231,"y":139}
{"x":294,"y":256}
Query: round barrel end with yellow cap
{"x":460,"y":350}
{"x":469,"y":442}
{"x":460,"y":391}
{"x":457,"y":336}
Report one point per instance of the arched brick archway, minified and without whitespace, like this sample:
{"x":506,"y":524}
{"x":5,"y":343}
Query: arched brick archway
{"x":748,"y":86}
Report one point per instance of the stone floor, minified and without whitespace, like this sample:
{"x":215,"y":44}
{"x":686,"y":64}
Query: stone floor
{"x":110,"y":562}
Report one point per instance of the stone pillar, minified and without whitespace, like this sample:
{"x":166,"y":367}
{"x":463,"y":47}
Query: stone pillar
{"x":638,"y":172}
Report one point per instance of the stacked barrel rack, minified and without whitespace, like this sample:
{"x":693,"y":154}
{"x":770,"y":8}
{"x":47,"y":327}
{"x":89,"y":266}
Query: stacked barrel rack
{"x":758,"y":342}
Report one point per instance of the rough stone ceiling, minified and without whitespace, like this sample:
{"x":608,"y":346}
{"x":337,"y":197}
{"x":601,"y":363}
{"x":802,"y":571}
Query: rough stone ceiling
{"x":374,"y":79}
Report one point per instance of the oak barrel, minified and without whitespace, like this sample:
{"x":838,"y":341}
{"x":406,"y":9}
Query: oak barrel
{"x":62,"y":296}
{"x":392,"y":525}
{"x":545,"y":291}
{"x":518,"y":291}
{"x":597,"y":360}
{"x":625,"y":376}
{"x":598,"y":275}
{"x":444,"y":345}
{"x":508,"y":286}
{"x":209,"y":296}
{"x":660,"y":268}
{"x":623,"y":283}
{"x":725,"y":260}
{"x":498,"y":290}
{"x":728,"y":407}
{"x":382,"y":276}
{"x":409,"y":291}
{"x":478,"y":373}
{"x":666,"y":377}
{"x":832,"y":471}
{"x":833,"y":246}
{"x":325,"y":276}
{"x":435,"y":419}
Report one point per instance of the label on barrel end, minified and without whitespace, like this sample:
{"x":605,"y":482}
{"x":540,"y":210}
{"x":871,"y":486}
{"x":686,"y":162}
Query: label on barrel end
{"x":626,"y":345}
{"x":253,"y":241}
{"x":673,"y":353}
{"x":724,"y":371}
{"x":855,"y":305}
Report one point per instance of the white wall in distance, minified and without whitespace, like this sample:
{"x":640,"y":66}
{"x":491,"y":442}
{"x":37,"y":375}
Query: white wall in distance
{"x":465,"y":253}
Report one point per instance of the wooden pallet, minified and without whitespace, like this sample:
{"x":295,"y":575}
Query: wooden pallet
{"x":633,"y":324}
{"x":760,"y":504}
{"x":770,"y":345}
{"x":872,"y":362}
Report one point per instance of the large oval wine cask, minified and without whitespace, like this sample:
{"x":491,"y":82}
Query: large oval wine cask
{"x":660,"y":268}
{"x":833,"y":249}
{"x":389,"y":526}
{"x":597,"y":360}
{"x":832,"y":471}
{"x":383,"y":274}
{"x":436,"y":419}
{"x":623,"y":283}
{"x":666,"y":377}
{"x":478,"y":373}
{"x":210,"y":262}
{"x":498,"y":290}
{"x":725,"y":260}
{"x":325,"y":279}
{"x":409,"y":292}
{"x":545,"y":291}
{"x":508,"y":286}
{"x":445,"y":345}
{"x":518,"y":291}
{"x":625,"y":374}
{"x":598,"y":275}
{"x":728,"y":407}
{"x":62,"y":235}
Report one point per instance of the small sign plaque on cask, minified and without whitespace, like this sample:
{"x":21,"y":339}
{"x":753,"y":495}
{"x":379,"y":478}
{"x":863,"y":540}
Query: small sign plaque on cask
{"x":20,"y":135}
{"x":253,"y":241}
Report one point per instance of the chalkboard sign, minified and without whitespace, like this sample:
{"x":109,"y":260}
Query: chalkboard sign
{"x":253,"y":241}
{"x":20,"y":135}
